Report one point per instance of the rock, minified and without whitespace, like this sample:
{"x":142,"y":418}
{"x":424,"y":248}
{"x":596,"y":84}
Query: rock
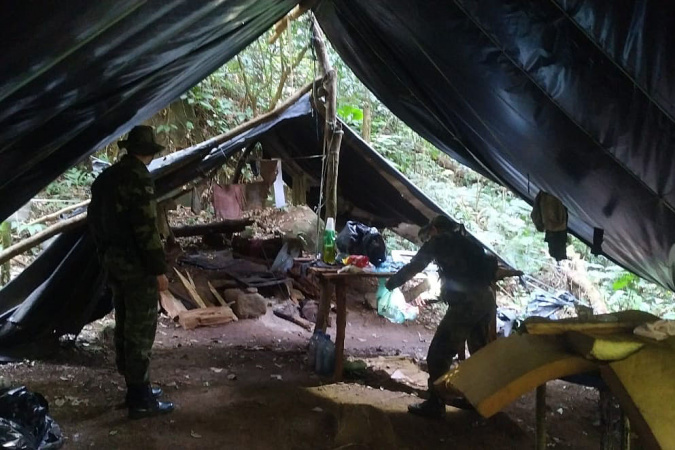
{"x":232,"y":295}
{"x":251,"y":290}
{"x":249,"y":306}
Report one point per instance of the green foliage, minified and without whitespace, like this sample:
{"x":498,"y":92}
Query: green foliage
{"x":31,"y":229}
{"x":350,"y":114}
{"x":248,"y":86}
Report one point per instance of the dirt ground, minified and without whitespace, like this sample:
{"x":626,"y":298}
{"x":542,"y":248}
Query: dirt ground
{"x":245,"y":386}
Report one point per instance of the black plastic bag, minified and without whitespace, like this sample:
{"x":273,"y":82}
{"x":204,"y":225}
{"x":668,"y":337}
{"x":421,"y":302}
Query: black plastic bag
{"x":359,"y":239}
{"x":25,"y":423}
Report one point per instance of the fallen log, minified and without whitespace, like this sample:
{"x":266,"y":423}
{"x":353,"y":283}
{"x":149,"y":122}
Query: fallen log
{"x":225,"y":227}
{"x":38,"y":238}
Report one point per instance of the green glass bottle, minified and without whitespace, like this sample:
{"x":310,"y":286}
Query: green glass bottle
{"x":329,"y":242}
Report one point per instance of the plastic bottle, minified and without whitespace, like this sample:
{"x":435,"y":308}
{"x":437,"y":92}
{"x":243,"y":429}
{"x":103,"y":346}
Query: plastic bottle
{"x":329,"y":241}
{"x":312,"y":348}
{"x":325,"y":355}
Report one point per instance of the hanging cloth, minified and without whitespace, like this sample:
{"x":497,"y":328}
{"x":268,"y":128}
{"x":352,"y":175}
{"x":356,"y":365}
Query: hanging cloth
{"x":550,"y":216}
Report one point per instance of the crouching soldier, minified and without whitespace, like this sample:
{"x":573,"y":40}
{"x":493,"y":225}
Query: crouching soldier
{"x":466,"y":274}
{"x":122,"y":220}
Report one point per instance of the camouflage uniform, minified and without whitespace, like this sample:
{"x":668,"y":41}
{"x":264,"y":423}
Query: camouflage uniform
{"x":122,"y":218}
{"x":466,"y":273}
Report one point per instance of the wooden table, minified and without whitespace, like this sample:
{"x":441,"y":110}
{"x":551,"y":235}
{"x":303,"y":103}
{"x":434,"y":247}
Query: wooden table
{"x":332,"y":281}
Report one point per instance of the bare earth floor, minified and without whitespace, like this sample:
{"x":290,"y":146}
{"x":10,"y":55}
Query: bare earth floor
{"x":245,"y":386}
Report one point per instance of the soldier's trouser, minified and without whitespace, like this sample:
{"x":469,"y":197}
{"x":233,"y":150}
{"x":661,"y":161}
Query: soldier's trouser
{"x":135,"y":326}
{"x":467,"y":318}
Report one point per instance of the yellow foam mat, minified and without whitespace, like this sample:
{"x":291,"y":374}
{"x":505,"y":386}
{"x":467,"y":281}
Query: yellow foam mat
{"x":508,"y":368}
{"x":604,"y":347}
{"x":645,"y":385}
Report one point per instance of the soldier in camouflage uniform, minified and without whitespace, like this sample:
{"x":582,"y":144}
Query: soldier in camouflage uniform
{"x":122,"y":219}
{"x":466,"y":273}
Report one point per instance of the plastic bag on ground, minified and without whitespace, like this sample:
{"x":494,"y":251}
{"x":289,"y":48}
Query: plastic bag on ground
{"x":392,"y":305}
{"x":25,"y":423}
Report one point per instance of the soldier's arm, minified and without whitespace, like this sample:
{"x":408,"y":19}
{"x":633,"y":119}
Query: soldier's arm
{"x":420,"y":261}
{"x":141,"y":214}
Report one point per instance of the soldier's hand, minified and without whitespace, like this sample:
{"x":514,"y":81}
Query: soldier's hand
{"x":162,"y":283}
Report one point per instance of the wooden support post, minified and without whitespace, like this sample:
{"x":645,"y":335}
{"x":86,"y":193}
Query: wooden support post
{"x":5,"y":242}
{"x":332,"y":132}
{"x":625,"y":432}
{"x":541,"y":418}
{"x":332,"y":173}
{"x":606,"y":407}
{"x":324,"y":306}
{"x":340,"y":327}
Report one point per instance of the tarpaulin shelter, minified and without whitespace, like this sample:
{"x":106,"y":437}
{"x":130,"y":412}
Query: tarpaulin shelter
{"x":576,"y":98}
{"x":572,"y":97}
{"x":63,"y":289}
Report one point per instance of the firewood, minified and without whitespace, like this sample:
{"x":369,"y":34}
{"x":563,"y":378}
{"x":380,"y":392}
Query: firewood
{"x":171,"y":304}
{"x":191,"y":290}
{"x":205,"y":317}
{"x":215,"y":293}
{"x":295,"y":318}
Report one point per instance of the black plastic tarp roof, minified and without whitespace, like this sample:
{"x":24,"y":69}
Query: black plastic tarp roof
{"x":576,"y":98}
{"x":63,"y":289}
{"x":75,"y":77}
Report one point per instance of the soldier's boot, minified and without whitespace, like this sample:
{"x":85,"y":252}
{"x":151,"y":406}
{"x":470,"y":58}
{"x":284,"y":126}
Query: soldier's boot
{"x":156,"y":393}
{"x":434,"y":408}
{"x":142,"y":403}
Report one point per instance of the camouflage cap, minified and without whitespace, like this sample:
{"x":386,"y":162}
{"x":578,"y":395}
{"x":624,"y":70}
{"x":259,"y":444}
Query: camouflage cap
{"x":141,"y":141}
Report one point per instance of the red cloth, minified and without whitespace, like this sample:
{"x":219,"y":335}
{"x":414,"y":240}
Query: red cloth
{"x":228,"y":200}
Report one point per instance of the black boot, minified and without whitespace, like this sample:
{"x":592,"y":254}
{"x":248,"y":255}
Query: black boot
{"x":142,"y":403}
{"x":434,"y":408}
{"x":156,"y":393}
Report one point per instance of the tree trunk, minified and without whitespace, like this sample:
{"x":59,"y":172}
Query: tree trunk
{"x":367,"y":120}
{"x":5,"y":242}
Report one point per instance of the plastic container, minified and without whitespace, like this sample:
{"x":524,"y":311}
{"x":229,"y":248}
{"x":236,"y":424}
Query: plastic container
{"x":311,"y":349}
{"x":325,"y":356}
{"x":329,"y":250}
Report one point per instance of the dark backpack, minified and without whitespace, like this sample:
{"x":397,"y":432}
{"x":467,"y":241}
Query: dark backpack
{"x":359,"y":239}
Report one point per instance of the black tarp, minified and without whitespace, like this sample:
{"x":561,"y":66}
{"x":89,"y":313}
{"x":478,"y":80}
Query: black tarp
{"x":63,"y":289}
{"x":573,"y":97}
{"x":75,"y":77}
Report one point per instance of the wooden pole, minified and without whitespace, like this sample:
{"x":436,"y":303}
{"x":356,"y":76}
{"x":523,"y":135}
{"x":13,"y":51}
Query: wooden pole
{"x":38,"y":238}
{"x":541,"y":418}
{"x":332,"y":132}
{"x":56,"y":214}
{"x":5,"y":242}
{"x":332,"y":174}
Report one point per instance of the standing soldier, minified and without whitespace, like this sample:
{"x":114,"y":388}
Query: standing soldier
{"x":466,"y":273}
{"x":122,"y":220}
